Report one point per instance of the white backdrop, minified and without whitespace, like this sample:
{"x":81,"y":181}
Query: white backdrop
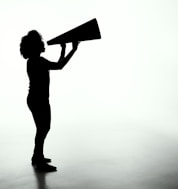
{"x":129,"y":76}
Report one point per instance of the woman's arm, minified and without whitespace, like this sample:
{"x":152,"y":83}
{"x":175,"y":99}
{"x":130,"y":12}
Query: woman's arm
{"x":63,"y":60}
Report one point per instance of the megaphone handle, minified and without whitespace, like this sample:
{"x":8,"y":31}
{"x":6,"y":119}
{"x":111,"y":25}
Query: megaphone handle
{"x":75,"y":45}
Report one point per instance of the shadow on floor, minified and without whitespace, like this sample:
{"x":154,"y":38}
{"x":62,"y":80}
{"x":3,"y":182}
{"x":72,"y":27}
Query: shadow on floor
{"x":41,"y":179}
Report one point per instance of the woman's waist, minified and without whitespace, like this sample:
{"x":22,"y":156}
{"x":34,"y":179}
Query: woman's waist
{"x":38,"y":96}
{"x":38,"y":92}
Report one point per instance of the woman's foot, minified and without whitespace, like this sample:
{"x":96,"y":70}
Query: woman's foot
{"x":43,"y":167}
{"x":40,"y":160}
{"x":47,"y":160}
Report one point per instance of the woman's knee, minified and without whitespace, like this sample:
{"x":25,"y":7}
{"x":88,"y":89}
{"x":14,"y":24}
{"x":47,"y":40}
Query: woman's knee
{"x":42,"y":132}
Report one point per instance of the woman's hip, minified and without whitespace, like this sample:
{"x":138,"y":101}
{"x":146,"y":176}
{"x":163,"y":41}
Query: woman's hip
{"x":37,"y":103}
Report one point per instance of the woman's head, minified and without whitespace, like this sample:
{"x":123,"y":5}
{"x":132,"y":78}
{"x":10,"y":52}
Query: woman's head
{"x":31,"y":45}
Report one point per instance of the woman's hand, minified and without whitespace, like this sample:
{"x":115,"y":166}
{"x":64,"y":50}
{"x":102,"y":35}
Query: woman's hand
{"x":75,"y":45}
{"x":63,"y":45}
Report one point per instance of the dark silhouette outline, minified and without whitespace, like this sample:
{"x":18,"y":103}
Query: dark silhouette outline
{"x":38,"y":68}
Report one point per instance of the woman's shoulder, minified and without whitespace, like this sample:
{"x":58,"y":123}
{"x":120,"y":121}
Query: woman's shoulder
{"x":43,"y":59}
{"x":38,"y":62}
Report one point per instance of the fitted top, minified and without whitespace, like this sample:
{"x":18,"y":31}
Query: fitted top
{"x":39,"y":80}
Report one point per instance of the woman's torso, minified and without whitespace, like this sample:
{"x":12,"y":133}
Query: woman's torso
{"x":38,"y":78}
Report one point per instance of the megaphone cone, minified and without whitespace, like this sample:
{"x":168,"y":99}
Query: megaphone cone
{"x":87,"y":31}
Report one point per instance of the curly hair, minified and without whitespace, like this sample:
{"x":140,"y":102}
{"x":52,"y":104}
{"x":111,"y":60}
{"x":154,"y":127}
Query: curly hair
{"x":31,"y":44}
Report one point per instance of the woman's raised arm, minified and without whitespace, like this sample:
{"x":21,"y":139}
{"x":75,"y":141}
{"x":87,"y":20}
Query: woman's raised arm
{"x":63,"y":60}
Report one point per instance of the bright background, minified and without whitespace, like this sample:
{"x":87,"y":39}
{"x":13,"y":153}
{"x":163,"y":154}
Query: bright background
{"x":127,"y":81}
{"x":129,"y":76}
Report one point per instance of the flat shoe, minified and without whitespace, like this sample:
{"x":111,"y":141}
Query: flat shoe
{"x":45,"y":168}
{"x":43,"y":160}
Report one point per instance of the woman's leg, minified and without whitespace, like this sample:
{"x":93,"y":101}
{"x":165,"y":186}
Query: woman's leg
{"x":42,"y":116}
{"x":42,"y":120}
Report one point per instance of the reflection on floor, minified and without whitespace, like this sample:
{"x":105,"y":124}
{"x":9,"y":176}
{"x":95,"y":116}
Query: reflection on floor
{"x":125,"y":158}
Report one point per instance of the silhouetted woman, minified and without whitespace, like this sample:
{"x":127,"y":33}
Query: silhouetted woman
{"x":38,"y":68}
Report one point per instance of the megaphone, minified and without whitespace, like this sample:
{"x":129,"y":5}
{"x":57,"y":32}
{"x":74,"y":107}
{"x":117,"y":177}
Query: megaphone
{"x":87,"y":31}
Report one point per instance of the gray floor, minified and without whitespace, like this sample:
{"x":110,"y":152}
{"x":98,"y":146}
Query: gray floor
{"x":116,"y":158}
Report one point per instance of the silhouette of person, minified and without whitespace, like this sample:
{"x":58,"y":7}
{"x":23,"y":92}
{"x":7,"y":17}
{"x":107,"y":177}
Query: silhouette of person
{"x":38,"y":68}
